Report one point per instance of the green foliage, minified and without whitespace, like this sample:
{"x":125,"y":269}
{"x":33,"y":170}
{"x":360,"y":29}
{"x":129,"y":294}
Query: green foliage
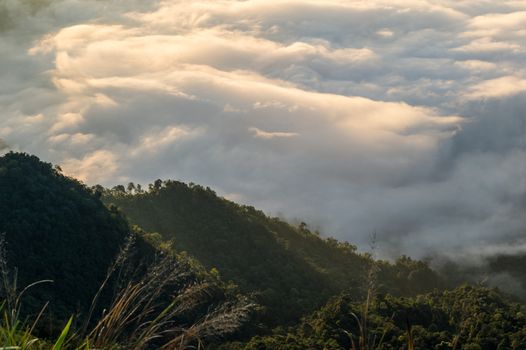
{"x":292,"y":269}
{"x":163,"y":309}
{"x":58,"y":230}
{"x":465,"y":318}
{"x":59,"y":344}
{"x":55,"y":229}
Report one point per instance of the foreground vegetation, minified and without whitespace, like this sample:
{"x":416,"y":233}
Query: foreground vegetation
{"x":137,"y":318}
{"x":467,"y":318}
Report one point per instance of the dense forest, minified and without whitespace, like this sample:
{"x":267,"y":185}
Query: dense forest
{"x":465,"y":318}
{"x":175,"y":266}
{"x":54,"y":229}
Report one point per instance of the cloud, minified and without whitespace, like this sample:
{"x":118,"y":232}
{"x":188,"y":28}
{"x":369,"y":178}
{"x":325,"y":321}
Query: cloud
{"x":404,"y":117}
{"x":270,"y":135}
{"x":3,"y":145}
{"x":93,"y":167}
{"x":497,"y":88}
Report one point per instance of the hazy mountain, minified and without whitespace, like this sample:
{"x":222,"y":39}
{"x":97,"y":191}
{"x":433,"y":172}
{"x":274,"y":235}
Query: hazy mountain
{"x":291,"y":269}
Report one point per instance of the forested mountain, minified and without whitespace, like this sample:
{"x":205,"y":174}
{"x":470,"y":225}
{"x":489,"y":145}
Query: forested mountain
{"x":189,"y":266}
{"x":291,"y":269}
{"x":56,"y":229}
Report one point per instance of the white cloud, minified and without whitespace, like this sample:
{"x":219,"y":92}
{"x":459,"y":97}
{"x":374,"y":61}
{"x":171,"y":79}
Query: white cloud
{"x":477,"y":65}
{"x":497,"y":88}
{"x":384,"y":111}
{"x":93,"y":167}
{"x":271,"y":135}
{"x":487,"y":45}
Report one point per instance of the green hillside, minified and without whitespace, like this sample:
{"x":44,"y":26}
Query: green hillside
{"x":55,"y":229}
{"x":133,"y":290}
{"x":291,"y":269}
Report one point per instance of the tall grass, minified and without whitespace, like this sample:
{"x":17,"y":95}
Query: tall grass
{"x":365,"y":339}
{"x":156,"y":310}
{"x":137,"y":317}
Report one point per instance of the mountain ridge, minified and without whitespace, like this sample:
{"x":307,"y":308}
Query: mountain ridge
{"x":290,"y":267}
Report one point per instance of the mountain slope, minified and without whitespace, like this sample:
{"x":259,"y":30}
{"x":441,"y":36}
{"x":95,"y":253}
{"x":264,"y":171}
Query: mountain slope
{"x":55,"y":229}
{"x":291,"y":269}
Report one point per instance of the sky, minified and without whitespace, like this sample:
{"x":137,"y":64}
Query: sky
{"x":403,"y":117}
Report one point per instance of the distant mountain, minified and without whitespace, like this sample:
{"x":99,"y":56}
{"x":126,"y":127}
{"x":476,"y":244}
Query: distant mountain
{"x":503,"y":270}
{"x":291,"y":269}
{"x":509,"y":269}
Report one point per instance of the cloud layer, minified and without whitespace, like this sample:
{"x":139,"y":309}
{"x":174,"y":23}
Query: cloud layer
{"x":406,"y":117}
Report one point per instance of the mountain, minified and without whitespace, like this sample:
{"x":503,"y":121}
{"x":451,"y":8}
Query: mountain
{"x":290,"y":269}
{"x":314,"y":292}
{"x":509,"y":269}
{"x":55,"y":229}
{"x":503,"y":270}
{"x":94,"y":266}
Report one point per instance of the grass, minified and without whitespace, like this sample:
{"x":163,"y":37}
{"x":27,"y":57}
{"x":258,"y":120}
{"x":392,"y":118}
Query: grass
{"x":364,"y":339}
{"x":138,"y":317}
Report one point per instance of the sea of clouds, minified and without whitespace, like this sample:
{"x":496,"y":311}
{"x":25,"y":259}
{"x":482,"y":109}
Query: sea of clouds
{"x":404,"y":117}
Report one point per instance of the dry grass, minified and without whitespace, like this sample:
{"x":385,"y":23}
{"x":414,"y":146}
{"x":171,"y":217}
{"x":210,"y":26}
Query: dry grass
{"x":148,"y":312}
{"x":365,"y":339}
